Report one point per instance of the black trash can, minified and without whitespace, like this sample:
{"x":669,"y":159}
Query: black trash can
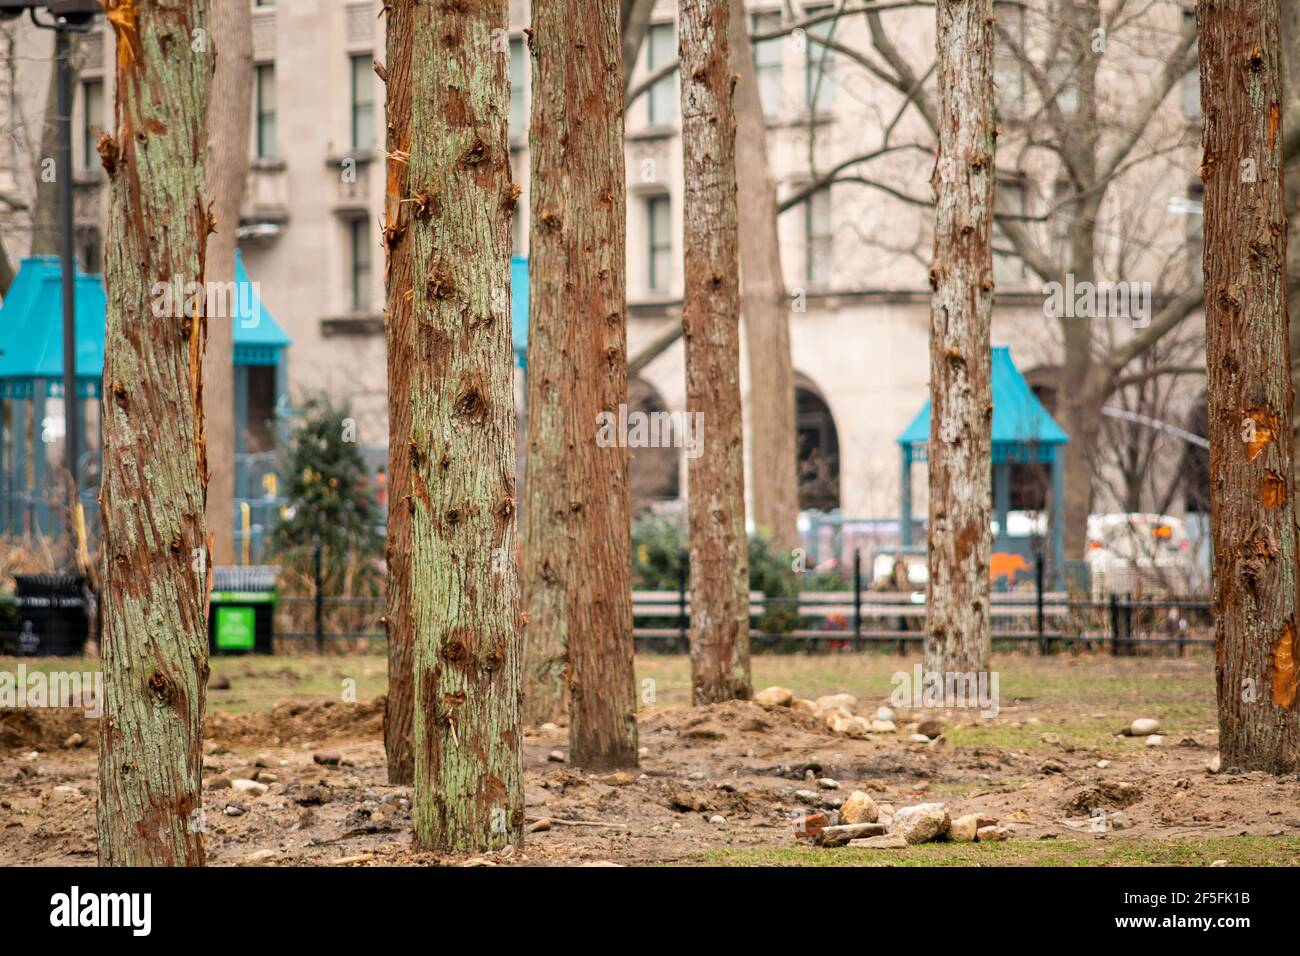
{"x":53,"y":614}
{"x":241,"y":615}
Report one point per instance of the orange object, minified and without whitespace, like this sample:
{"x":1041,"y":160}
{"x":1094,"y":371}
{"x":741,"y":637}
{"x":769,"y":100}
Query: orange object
{"x":1006,"y":565}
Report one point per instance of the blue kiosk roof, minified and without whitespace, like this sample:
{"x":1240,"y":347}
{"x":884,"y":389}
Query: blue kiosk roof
{"x":519,"y":307}
{"x":1020,"y":422}
{"x":31,"y":328}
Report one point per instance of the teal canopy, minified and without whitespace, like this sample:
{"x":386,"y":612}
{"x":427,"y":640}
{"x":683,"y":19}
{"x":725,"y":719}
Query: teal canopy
{"x":519,"y":307}
{"x":1022,"y":428}
{"x":31,"y":329}
{"x":258,"y":337}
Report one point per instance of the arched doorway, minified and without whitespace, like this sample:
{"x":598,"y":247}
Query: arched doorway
{"x":652,"y":472}
{"x":818,"y":449}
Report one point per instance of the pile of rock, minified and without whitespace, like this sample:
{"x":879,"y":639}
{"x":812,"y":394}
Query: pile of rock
{"x":862,"y":822}
{"x":841,"y":714}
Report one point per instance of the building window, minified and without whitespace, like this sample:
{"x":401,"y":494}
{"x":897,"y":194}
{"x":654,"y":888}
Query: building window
{"x":769,"y":57}
{"x":359,"y":242}
{"x":817,"y":238}
{"x":661,"y":99}
{"x":265,"y":93}
{"x":363,"y":102}
{"x":1008,"y":268}
{"x":819,"y":69}
{"x":1008,"y":70}
{"x":90,"y":252}
{"x":92,"y":113}
{"x":1064,"y":85}
{"x":518,"y":107}
{"x":659,"y":224}
{"x":1192,"y":81}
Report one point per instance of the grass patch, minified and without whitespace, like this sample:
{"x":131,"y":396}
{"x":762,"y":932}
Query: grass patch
{"x":1237,"y":850}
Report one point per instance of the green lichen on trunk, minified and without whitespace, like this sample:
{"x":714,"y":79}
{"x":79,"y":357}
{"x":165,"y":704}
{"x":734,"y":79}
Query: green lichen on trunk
{"x":961,"y":403}
{"x":462,"y":590}
{"x":1249,"y":391}
{"x":399,"y":704}
{"x":710,"y":328}
{"x":155,"y":631}
{"x":577,"y":531}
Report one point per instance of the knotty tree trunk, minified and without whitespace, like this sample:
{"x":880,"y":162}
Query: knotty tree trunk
{"x":463,"y":585}
{"x":577,"y":528}
{"x":961,"y":402}
{"x":155,"y":629}
{"x":710,"y":327}
{"x":230,"y":119}
{"x":1249,"y":390}
{"x":400,"y":703}
{"x":773,"y":472}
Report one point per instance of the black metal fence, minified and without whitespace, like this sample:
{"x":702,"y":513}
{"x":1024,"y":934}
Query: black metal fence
{"x":861,"y":619}
{"x":1031,"y":620}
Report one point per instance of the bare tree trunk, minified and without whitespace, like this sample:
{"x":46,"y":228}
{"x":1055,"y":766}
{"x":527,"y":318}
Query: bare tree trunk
{"x":773,"y":472}
{"x":1249,"y":385}
{"x":961,"y":400}
{"x":155,"y":629}
{"x":577,"y":528}
{"x":400,"y":704}
{"x":232,"y":92}
{"x":710,"y":326}
{"x":463,"y":589}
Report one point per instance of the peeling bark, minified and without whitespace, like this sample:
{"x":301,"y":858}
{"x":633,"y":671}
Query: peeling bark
{"x":155,"y":634}
{"x":961,"y":401}
{"x":463,"y":589}
{"x":1249,"y":391}
{"x":577,"y":529}
{"x":710,"y":328}
{"x":399,"y":705}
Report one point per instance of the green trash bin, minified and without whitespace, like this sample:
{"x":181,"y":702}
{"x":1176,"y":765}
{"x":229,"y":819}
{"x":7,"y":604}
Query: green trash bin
{"x":241,"y":615}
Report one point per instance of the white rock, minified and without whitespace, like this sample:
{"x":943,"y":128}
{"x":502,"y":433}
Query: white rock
{"x":1103,"y":764}
{"x":249,"y":786}
{"x":259,"y":856}
{"x":859,"y":808}
{"x":1143,"y":726}
{"x":963,"y":829}
{"x":885,"y":713}
{"x":1216,"y":762}
{"x":919,"y":739}
{"x":831,"y":701}
{"x":879,"y":726}
{"x":920,"y":823}
{"x":992,"y":834}
{"x":803,"y":706}
{"x":774,"y":697}
{"x":826,"y":783}
{"x":1155,"y":740}
{"x":718,"y":820}
{"x":1219,"y":863}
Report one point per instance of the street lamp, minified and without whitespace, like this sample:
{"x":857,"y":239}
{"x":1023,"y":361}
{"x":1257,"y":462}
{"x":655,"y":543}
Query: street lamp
{"x":68,"y":16}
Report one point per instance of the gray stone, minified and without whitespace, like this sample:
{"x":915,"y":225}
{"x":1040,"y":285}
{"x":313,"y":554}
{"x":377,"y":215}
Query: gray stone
{"x":920,"y":823}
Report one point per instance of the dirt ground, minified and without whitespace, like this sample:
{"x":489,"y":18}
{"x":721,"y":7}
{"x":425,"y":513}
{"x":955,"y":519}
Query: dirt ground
{"x":1035,"y":767}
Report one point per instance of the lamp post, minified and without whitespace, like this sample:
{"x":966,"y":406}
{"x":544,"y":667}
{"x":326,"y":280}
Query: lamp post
{"x":69,"y":16}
